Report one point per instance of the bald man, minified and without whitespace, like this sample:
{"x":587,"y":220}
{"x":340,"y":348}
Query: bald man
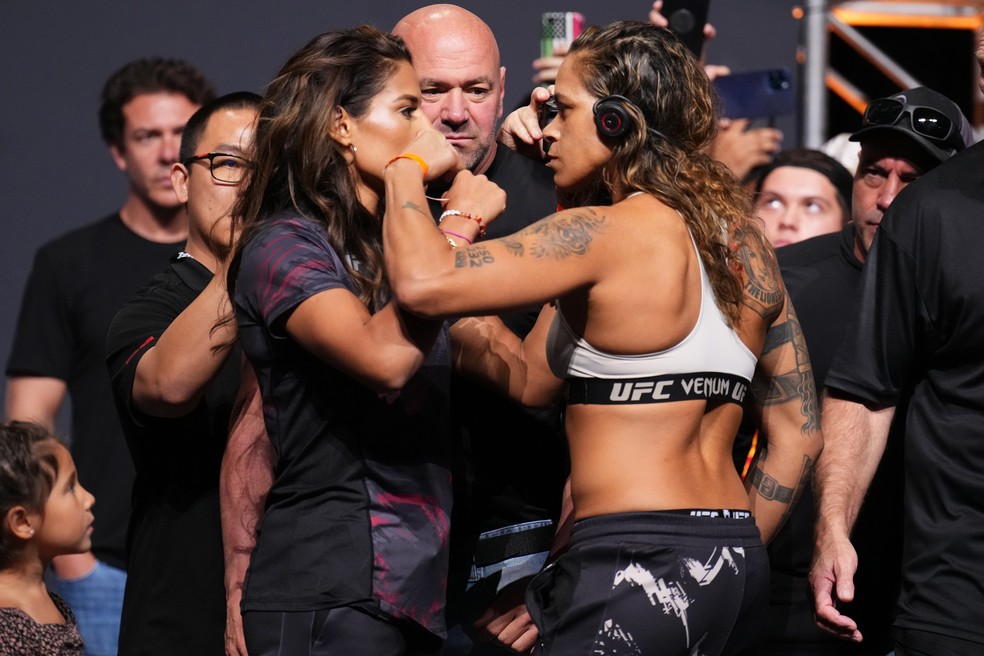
{"x":512,"y":461}
{"x":457,"y":61}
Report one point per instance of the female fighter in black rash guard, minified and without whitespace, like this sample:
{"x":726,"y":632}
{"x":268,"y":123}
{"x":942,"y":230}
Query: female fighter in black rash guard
{"x":351,"y":555}
{"x":669,"y":302}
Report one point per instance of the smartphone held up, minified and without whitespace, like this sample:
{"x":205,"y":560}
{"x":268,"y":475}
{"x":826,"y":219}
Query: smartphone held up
{"x":558,"y":29}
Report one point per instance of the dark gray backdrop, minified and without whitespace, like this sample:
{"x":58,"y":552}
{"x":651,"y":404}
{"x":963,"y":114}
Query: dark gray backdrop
{"x":55,"y":171}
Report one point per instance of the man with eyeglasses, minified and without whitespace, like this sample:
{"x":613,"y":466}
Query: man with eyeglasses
{"x":913,"y":352}
{"x":77,"y":283}
{"x":175,"y":375}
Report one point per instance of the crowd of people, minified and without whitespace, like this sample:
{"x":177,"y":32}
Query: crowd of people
{"x":367,"y":367}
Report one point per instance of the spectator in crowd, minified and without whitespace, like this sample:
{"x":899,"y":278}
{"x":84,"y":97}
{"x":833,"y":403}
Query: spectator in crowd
{"x":175,"y":376}
{"x":76,"y":285}
{"x":802,"y":194}
{"x":511,"y":462}
{"x":910,"y":354}
{"x":821,"y":276}
{"x":44,"y":512}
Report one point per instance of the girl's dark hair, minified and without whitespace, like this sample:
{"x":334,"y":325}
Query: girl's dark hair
{"x":28,"y":469}
{"x":300,"y":167}
{"x":673,"y":111}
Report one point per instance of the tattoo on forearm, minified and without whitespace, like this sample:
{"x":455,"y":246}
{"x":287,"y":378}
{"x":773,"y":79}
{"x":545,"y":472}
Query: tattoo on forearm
{"x":410,"y":205}
{"x":763,"y":282}
{"x":513,"y":246}
{"x":776,"y":337}
{"x":797,"y":383}
{"x":472,"y":257}
{"x":557,"y":236}
{"x":770,"y":489}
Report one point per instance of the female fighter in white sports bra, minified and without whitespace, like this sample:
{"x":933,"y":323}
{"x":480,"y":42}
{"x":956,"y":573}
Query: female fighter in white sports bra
{"x":670,"y":308}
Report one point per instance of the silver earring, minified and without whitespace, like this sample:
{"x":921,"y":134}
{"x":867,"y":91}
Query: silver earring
{"x":31,"y":531}
{"x":354,"y":149}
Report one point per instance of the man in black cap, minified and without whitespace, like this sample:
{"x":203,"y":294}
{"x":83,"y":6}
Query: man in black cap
{"x":901,"y":138}
{"x":912,"y":349}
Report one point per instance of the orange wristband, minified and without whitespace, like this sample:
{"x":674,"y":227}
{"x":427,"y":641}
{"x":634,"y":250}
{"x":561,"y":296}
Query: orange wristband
{"x":411,"y":156}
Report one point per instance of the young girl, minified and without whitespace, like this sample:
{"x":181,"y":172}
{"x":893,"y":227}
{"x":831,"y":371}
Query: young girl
{"x":45,"y":512}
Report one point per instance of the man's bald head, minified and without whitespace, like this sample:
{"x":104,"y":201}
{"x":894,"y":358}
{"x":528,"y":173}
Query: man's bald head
{"x":456,"y":59}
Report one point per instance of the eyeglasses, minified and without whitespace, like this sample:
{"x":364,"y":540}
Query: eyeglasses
{"x":926,"y":121}
{"x":224,"y":167}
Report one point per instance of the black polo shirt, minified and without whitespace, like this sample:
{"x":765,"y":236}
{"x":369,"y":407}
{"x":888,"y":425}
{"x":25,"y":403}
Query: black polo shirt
{"x":175,"y":597}
{"x":917,"y":335}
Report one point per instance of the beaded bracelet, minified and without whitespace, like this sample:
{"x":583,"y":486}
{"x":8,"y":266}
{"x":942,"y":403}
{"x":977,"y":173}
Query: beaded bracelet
{"x":459,"y":236}
{"x":412,"y":157}
{"x":474,"y":217}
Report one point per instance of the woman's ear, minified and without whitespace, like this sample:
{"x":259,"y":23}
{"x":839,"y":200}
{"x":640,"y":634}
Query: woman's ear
{"x":341,"y":127}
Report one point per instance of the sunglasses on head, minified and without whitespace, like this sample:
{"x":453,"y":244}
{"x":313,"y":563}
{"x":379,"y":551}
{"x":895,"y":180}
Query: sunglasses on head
{"x":930,"y":123}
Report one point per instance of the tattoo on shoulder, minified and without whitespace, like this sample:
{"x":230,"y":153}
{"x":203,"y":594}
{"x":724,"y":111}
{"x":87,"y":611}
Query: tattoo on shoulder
{"x":473,"y":257}
{"x":763,"y":282}
{"x":557,"y":236}
{"x":795,"y":384}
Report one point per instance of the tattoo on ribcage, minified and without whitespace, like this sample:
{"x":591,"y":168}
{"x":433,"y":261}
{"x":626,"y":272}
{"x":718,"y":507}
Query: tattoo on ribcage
{"x":797,"y":383}
{"x":763,"y":289}
{"x":557,"y":236}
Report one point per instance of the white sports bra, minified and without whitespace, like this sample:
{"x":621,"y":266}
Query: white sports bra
{"x":711,"y":362}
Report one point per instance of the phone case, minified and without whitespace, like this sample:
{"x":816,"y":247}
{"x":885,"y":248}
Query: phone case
{"x":558,"y":28}
{"x":755,"y":94}
{"x":686,"y":19}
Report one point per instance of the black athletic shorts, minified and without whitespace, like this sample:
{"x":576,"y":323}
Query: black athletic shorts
{"x":341,"y":631}
{"x":659,"y":583}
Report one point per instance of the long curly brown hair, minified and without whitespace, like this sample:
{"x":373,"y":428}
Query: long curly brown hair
{"x":299,"y":166}
{"x":673,"y":112}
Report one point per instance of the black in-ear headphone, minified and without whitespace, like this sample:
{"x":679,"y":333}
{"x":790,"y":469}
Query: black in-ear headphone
{"x":611,"y":118}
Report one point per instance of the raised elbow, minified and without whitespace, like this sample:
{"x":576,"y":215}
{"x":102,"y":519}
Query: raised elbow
{"x":164,"y":400}
{"x":418,"y":296}
{"x":390,"y":381}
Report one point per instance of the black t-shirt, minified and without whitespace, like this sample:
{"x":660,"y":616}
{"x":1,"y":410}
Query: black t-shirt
{"x":514,"y":459}
{"x":175,"y":598}
{"x":821,"y":276}
{"x":76,"y":285}
{"x":360,"y":506}
{"x":917,"y":335}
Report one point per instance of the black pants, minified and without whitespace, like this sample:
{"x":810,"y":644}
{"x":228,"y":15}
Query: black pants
{"x":342,"y":631}
{"x":657,"y":583}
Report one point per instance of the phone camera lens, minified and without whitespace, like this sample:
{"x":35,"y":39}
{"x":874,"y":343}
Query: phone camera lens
{"x":778,"y":80}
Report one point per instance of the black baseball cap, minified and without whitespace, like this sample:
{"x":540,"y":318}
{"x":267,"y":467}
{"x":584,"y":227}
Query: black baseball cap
{"x":929,"y":119}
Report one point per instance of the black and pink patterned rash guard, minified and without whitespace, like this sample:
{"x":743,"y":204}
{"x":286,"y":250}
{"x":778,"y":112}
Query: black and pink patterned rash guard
{"x":360,"y":506}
